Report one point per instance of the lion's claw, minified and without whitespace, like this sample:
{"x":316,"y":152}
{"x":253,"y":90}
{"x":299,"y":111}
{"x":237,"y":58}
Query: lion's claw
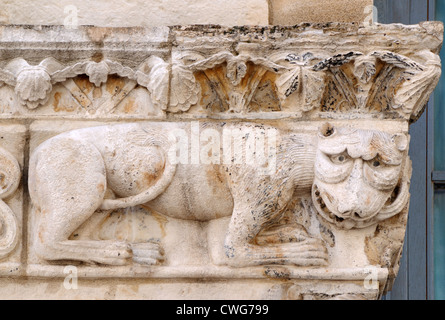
{"x":148,"y":253}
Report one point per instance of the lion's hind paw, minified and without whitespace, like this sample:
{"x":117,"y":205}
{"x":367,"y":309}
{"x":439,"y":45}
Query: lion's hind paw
{"x":148,"y":253}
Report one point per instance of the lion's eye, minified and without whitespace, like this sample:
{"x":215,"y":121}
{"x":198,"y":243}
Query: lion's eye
{"x":339,"y":158}
{"x":376,"y":162}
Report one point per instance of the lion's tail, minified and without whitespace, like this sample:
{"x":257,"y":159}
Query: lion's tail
{"x":146,"y":196}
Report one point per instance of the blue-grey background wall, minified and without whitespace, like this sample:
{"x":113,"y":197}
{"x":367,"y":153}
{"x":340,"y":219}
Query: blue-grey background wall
{"x":415,"y":279}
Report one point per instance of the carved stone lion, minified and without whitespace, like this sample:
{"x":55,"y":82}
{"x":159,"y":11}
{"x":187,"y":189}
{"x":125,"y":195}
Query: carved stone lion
{"x":356,"y":178}
{"x":361,"y":176}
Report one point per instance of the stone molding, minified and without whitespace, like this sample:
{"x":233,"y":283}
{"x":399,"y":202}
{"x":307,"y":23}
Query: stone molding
{"x":221,"y":72}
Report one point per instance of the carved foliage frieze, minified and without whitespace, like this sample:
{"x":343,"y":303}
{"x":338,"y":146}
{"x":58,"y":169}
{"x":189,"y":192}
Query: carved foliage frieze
{"x":232,"y":79}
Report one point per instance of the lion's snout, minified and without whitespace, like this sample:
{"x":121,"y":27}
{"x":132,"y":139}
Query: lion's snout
{"x":351,"y":213}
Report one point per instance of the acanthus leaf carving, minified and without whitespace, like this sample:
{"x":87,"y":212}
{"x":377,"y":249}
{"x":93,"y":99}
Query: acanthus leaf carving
{"x":303,"y":80}
{"x":234,"y":90}
{"x":185,"y":89}
{"x":6,"y":77}
{"x":289,"y":82}
{"x":154,"y":75}
{"x":388,"y":89}
{"x":365,"y":68}
{"x":385,"y":80}
{"x":418,"y":80}
{"x":32,"y":82}
{"x":97,"y":72}
{"x":336,"y":61}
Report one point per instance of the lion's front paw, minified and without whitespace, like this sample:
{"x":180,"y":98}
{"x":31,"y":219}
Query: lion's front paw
{"x":309,"y":252}
{"x":282,"y":234}
{"x":148,"y":253}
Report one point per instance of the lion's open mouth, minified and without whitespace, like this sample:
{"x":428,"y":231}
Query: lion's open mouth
{"x":327,"y":214}
{"x":324,"y":208}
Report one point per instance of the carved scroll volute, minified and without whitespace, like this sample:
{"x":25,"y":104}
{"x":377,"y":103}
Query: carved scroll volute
{"x":10,"y":174}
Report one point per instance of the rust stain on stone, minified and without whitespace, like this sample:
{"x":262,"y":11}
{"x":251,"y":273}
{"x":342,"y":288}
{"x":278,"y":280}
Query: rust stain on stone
{"x":101,"y":187}
{"x":56,"y":101}
{"x":371,"y":251}
{"x":215,"y":178}
{"x":84,"y":83}
{"x":149,"y":178}
{"x":130,"y":106}
{"x":161,"y":220}
{"x":57,"y":106}
{"x":114,"y":84}
{"x":97,"y":57}
{"x":40,"y":234}
{"x":98,"y":34}
{"x":97,"y":92}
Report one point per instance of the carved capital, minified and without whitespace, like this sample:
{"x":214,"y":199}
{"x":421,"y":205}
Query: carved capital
{"x":275,"y":154}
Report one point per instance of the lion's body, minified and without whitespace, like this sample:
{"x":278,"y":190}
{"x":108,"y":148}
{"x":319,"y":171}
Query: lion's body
{"x":71,"y":176}
{"x":79,"y":172}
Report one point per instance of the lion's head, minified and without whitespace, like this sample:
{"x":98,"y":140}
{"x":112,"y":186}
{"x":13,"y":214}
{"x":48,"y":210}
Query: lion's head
{"x":361,"y":176}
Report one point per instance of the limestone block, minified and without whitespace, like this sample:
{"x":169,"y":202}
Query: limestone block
{"x":290,"y":12}
{"x":193,"y":162}
{"x":145,"y":289}
{"x":134,"y":13}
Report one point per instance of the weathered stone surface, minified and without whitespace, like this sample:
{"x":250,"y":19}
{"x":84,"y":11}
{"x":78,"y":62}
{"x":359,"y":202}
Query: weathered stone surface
{"x":269,"y":156}
{"x":291,"y":12}
{"x":138,"y":13}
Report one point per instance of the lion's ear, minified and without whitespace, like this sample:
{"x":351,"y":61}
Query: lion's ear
{"x":327,"y":130}
{"x":401,"y":141}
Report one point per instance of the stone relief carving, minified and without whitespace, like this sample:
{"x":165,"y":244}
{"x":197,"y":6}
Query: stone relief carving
{"x":276,"y":153}
{"x":10,"y":173}
{"x":361,"y":177}
{"x":383,"y":81}
{"x":352,"y":175}
{"x":145,"y":175}
{"x":375,"y":83}
{"x":33,"y":83}
{"x":12,"y":144}
{"x":337,"y":83}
